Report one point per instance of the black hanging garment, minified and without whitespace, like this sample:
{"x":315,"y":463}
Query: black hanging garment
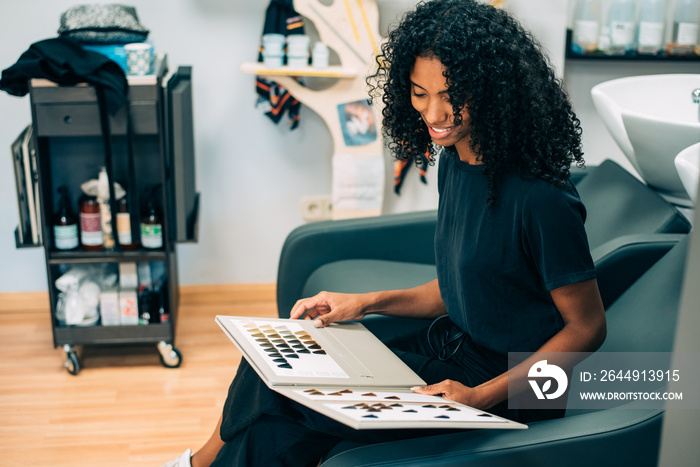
{"x":65,"y":62}
{"x":273,"y":98}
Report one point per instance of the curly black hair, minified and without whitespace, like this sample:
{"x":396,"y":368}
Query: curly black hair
{"x":521,"y":118}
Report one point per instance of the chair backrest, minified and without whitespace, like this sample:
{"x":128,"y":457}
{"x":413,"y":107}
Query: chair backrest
{"x":619,"y":204}
{"x":644,"y":318}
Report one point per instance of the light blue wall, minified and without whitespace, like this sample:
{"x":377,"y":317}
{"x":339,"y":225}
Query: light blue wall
{"x":251,"y":173}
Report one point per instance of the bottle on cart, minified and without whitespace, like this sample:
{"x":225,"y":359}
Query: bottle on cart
{"x":65,"y":223}
{"x":621,"y":20}
{"x":685,"y":28}
{"x":90,"y":226}
{"x":151,"y":223}
{"x":124,"y":225}
{"x":105,"y":209}
{"x":650,"y":35}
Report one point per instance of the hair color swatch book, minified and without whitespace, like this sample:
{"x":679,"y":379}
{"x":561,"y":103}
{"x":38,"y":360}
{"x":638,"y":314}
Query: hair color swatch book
{"x":344,"y":372}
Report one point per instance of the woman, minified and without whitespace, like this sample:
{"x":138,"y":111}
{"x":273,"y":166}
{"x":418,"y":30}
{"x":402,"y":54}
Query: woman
{"x":514,"y":269}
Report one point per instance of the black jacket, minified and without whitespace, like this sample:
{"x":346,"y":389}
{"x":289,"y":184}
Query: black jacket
{"x":65,"y":62}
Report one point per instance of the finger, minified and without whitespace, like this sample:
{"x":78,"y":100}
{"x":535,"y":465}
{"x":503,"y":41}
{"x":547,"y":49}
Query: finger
{"x":303,"y":306}
{"x":311,"y":314}
{"x":431,"y":389}
{"x":324,"y":320}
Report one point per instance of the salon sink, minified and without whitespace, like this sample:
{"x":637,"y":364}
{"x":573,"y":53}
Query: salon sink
{"x":652,"y":119}
{"x":688,"y":166}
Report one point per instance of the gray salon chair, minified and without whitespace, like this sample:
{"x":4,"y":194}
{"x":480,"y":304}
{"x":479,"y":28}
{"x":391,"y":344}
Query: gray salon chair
{"x":629,"y":226}
{"x":643,"y":318}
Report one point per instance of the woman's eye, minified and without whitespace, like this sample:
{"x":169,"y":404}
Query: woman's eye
{"x":415,"y":94}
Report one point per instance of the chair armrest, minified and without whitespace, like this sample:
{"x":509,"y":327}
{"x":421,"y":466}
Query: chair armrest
{"x":620,"y":262}
{"x":396,"y":237}
{"x":627,"y":437}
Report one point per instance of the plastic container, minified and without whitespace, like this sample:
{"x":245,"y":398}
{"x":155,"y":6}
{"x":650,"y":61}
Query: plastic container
{"x":319,"y":55}
{"x":622,"y":26}
{"x":685,"y":28}
{"x":272,"y":61}
{"x":105,"y":209}
{"x":298,"y":50}
{"x":298,"y":45}
{"x":273,"y":44}
{"x":586,"y":27}
{"x":90,"y":225}
{"x":650,"y":34}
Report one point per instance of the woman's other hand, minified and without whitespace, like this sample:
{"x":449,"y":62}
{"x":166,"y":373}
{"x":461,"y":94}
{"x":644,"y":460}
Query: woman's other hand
{"x":456,"y":392}
{"x":327,"y":307}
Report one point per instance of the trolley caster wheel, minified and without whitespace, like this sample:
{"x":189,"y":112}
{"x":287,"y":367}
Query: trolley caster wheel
{"x":72,"y":363}
{"x":170,"y":357}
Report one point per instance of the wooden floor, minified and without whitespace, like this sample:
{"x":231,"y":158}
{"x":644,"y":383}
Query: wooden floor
{"x":124,"y":408}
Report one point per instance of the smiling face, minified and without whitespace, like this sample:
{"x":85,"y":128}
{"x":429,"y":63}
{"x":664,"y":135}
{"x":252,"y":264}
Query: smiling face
{"x":430,"y":98}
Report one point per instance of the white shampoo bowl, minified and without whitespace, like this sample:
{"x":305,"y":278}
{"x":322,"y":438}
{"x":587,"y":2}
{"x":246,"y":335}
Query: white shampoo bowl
{"x":688,"y":166}
{"x":652,"y":119}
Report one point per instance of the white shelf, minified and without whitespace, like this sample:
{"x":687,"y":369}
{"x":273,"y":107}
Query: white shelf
{"x":257,"y":68}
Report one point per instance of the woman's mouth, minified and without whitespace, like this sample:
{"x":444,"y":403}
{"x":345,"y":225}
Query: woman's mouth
{"x":439,"y":133}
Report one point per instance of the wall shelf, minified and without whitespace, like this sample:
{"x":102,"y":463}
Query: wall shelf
{"x":257,"y":68}
{"x":634,"y":56}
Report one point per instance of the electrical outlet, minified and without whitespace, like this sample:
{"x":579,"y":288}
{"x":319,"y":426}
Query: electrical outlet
{"x":316,"y":208}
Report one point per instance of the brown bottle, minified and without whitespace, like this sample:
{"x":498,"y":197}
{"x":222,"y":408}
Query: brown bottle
{"x":90,"y":227}
{"x":124,"y":226}
{"x":65,"y":224}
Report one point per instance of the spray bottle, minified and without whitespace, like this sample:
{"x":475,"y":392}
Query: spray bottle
{"x":105,"y":211}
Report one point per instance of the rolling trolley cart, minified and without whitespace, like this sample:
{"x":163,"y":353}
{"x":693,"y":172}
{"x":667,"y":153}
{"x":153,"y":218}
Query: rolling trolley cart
{"x":68,"y":149}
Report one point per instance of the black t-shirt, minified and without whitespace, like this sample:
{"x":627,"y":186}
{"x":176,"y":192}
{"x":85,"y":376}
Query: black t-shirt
{"x":496,"y":265}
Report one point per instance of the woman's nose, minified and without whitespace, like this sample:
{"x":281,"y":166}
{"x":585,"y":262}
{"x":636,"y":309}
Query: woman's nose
{"x":436,"y":112}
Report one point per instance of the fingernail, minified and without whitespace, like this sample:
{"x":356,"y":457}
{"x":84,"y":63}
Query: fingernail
{"x":318,"y":323}
{"x":416,"y":388}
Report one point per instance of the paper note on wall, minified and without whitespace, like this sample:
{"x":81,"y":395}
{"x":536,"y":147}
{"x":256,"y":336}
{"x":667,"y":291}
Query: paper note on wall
{"x":358,"y":185}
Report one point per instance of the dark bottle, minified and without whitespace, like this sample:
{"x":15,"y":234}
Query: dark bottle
{"x":124,"y":225}
{"x":65,"y":223}
{"x":151,"y":224}
{"x":90,"y":227}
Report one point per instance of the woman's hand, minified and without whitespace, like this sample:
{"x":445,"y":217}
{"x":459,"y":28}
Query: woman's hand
{"x":326,"y":308}
{"x":455,"y":391}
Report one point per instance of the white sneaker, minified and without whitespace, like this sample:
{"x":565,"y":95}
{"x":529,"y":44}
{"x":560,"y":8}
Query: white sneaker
{"x":182,"y":461}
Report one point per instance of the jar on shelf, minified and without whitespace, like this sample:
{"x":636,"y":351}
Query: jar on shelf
{"x":90,"y":225}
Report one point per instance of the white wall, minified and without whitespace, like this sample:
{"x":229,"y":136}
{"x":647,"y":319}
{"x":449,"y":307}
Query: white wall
{"x":251,"y":173}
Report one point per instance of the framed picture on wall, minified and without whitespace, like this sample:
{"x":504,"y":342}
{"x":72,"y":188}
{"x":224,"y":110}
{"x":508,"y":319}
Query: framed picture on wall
{"x":357,"y":123}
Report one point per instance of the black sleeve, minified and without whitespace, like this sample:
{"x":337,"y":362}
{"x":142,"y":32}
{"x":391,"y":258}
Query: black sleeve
{"x":555,"y":237}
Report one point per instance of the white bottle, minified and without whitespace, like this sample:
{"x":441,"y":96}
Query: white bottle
{"x":621,"y":20}
{"x":105,"y":211}
{"x":650,"y":35}
{"x":685,"y":28}
{"x":319,"y":55}
{"x":586,"y":26}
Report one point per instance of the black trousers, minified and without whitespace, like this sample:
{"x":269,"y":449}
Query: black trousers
{"x":263,"y":428}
